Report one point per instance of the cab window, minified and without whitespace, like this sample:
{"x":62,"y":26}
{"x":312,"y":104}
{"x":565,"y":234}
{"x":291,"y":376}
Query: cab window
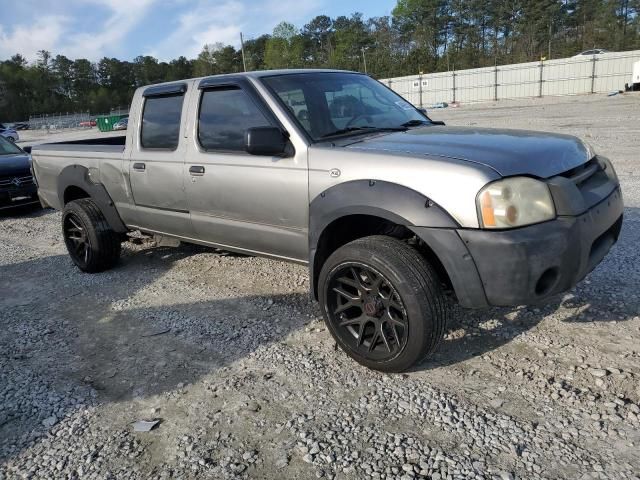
{"x":225,"y":114}
{"x":161,"y":122}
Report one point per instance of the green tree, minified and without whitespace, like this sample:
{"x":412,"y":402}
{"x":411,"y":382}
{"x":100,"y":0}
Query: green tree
{"x":350,"y":38}
{"x":285,"y":47}
{"x":254,"y":51}
{"x":217,"y":58}
{"x":423,"y":26}
{"x":318,"y":33}
{"x":420,"y":35}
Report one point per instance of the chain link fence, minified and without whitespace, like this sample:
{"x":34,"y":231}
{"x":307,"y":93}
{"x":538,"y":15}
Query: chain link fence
{"x":67,"y":121}
{"x":568,"y":76}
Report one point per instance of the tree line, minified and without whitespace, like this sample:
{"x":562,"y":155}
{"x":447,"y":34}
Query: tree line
{"x":419,"y":36}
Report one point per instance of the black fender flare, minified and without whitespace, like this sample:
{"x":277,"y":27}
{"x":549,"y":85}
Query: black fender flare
{"x":78,"y":176}
{"x":390,"y":201}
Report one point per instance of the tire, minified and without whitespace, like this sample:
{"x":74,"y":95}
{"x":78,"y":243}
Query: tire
{"x":11,"y":139}
{"x":92,"y":244}
{"x":381,"y":286}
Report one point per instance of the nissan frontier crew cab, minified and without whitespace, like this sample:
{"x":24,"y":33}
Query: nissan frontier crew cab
{"x":392,"y":212}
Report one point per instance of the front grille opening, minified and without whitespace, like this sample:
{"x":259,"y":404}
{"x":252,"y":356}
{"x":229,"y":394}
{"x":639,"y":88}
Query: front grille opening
{"x":16,"y":182}
{"x":584,"y":172}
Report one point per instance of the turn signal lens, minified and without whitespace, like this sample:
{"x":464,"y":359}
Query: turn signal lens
{"x":514,"y":202}
{"x":488,"y":218}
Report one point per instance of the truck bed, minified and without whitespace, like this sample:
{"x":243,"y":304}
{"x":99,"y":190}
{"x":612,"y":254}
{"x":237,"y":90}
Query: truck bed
{"x":102,"y":155}
{"x":113,"y":144}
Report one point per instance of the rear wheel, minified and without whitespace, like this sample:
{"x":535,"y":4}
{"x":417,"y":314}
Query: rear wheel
{"x":91,"y":242}
{"x":383,"y":303}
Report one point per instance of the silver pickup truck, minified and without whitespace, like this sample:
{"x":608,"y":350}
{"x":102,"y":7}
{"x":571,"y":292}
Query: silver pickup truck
{"x":394,"y":213}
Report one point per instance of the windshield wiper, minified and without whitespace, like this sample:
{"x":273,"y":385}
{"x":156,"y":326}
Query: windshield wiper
{"x":342,"y":131}
{"x":415,"y":123}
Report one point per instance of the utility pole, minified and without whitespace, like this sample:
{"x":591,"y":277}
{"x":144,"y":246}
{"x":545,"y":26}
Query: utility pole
{"x":550,"y":34}
{"x":364,"y":60}
{"x":244,"y":62}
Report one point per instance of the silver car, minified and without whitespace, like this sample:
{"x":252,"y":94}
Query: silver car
{"x":394,"y":214}
{"x":121,"y":124}
{"x":9,"y":133}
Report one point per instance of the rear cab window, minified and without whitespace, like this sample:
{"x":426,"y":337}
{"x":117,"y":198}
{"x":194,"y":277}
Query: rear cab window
{"x":161,"y":116}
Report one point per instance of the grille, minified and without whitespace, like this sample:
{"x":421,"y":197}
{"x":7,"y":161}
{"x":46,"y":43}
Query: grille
{"x":581,"y":174}
{"x":592,"y":180}
{"x":16,"y":182}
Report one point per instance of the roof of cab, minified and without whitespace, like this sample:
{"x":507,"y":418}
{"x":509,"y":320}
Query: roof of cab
{"x":252,"y":74}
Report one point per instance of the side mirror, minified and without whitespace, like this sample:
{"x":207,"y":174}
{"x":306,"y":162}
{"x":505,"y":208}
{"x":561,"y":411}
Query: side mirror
{"x":265,"y":141}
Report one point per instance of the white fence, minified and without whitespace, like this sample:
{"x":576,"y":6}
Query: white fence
{"x":567,"y":76}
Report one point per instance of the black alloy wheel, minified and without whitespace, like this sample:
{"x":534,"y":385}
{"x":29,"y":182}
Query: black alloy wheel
{"x":383,"y":303}
{"x":368,"y":311}
{"x":76,"y":239}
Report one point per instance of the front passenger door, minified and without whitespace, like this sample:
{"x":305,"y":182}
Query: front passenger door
{"x":254,"y":203}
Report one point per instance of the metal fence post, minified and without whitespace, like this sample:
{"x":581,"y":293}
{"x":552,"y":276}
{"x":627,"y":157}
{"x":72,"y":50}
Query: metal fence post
{"x":540,"y":83}
{"x":593,"y":73}
{"x":420,"y":88}
{"x":454,"y":86}
{"x":495,"y":84}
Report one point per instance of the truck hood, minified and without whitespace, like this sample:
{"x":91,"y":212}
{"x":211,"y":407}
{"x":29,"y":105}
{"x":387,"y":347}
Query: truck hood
{"x":508,"y":152}
{"x":13,"y":165}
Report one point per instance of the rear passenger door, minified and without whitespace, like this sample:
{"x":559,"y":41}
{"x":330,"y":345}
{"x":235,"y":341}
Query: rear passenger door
{"x":156,"y":166}
{"x":254,"y":203}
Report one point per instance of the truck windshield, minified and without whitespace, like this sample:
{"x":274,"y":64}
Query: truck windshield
{"x":8,"y":148}
{"x":331,"y":104}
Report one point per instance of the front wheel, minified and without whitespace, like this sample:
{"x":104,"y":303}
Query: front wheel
{"x":383,"y":303}
{"x":91,"y":242}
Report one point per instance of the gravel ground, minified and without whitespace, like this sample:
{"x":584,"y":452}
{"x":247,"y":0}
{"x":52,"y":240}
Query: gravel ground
{"x":232,"y":358}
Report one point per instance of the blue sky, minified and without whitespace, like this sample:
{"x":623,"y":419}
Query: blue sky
{"x":163,"y":28}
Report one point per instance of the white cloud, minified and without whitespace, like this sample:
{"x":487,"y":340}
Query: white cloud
{"x":28,"y":39}
{"x":125,"y":16}
{"x":211,"y":22}
{"x":59,"y":34}
{"x":61,"y":27}
{"x":206,"y":23}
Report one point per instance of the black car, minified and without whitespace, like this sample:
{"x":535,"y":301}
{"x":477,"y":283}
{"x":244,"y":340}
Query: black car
{"x":16,"y":181}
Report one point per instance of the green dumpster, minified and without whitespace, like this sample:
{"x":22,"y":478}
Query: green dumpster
{"x":106,"y":122}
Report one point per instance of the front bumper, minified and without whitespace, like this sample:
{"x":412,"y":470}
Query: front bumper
{"x":529,"y":264}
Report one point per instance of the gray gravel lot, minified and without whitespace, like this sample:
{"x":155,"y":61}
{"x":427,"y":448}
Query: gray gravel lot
{"x":232,"y":357}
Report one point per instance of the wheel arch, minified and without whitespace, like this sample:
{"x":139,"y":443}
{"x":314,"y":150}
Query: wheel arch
{"x":360,"y":208}
{"x":74,"y":183}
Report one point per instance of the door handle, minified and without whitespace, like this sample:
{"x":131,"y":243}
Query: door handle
{"x":196,"y":170}
{"x":140,"y":167}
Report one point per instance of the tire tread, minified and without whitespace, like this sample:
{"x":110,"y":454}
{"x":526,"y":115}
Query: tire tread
{"x":423,"y":281}
{"x":107,"y":251}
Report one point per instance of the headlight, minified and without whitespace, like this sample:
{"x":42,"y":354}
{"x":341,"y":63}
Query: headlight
{"x":514,"y":202}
